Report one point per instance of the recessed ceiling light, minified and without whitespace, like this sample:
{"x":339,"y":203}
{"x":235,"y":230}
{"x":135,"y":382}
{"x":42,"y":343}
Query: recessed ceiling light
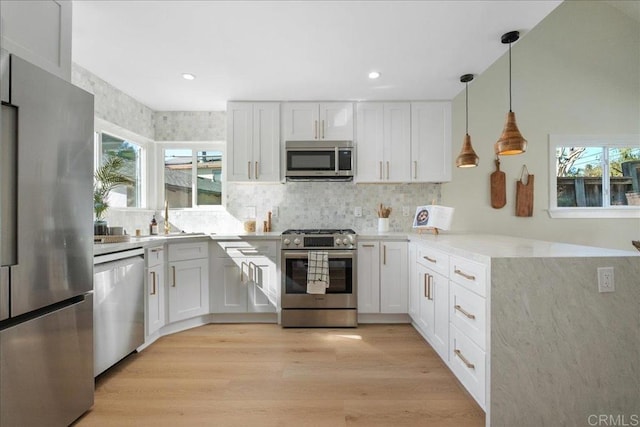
{"x":188,"y":76}
{"x":374,"y":75}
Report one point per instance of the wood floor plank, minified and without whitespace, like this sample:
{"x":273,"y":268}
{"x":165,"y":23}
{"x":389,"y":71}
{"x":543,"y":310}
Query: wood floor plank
{"x":261,"y":374}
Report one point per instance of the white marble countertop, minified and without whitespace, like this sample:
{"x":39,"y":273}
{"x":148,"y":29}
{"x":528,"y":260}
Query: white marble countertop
{"x":384,"y":236}
{"x":483,"y":246}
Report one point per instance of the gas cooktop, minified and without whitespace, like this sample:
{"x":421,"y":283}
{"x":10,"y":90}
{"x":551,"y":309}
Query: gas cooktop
{"x":319,"y":231}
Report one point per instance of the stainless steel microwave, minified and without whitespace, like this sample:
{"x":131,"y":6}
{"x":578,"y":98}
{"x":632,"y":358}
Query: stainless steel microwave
{"x":317,"y":160}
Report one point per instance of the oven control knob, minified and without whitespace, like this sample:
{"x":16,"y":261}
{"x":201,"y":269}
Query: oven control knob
{"x":286,"y":241}
{"x":349,"y":239}
{"x":296,"y":241}
{"x":338,"y":242}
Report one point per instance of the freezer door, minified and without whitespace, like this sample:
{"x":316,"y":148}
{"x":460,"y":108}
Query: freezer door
{"x":55,"y":192}
{"x":46,"y":368}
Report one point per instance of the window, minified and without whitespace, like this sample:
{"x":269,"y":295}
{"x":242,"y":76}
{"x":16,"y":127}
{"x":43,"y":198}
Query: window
{"x":124,"y":196}
{"x":192,"y":177}
{"x":594,"y":176}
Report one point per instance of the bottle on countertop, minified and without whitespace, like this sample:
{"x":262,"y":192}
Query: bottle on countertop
{"x":153,"y":227}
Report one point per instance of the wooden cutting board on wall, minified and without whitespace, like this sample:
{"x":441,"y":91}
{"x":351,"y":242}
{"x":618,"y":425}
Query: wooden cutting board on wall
{"x":498,"y":187}
{"x":524,"y":194}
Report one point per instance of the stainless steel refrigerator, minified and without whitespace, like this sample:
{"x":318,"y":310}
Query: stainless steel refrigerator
{"x":46,"y":247}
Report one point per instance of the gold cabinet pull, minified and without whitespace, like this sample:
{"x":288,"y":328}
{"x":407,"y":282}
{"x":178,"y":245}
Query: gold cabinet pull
{"x":256,"y":174}
{"x":315,"y":129}
{"x":173,"y":267}
{"x":322,"y":130}
{"x":464,"y":359}
{"x":387,"y":170}
{"x":415,"y":169}
{"x":249,"y":170}
{"x":429,"y":286}
{"x":154,"y":250}
{"x":153,"y":281}
{"x":466,"y":276}
{"x":380,"y":171}
{"x":384,"y":254}
{"x":430,"y":259}
{"x":368,"y":246}
{"x":465,"y":312}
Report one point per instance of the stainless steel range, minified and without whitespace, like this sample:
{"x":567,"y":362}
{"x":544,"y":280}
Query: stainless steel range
{"x":337,"y":307}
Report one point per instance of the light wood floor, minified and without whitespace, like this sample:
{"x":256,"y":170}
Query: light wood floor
{"x":263,"y":375}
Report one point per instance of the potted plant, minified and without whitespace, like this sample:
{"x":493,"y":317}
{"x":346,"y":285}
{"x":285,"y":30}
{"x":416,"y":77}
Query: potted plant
{"x":106,"y":178}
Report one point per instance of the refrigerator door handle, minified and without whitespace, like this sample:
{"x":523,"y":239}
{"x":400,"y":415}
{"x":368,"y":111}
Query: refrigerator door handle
{"x":4,"y":293}
{"x":8,"y":186}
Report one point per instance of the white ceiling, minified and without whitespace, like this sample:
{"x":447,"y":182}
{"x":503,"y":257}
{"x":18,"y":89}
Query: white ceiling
{"x":292,"y":50}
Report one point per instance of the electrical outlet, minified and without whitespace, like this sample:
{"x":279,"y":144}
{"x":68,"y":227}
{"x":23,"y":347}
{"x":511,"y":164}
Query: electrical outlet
{"x":406,"y":211}
{"x":605,"y":279}
{"x":274,"y":211}
{"x":357,"y":211}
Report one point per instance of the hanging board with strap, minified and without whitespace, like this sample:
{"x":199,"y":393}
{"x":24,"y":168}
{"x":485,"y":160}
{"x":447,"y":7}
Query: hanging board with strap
{"x":524,"y":193}
{"x":498,"y":187}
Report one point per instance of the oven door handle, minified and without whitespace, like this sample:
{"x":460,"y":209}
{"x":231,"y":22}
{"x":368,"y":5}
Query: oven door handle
{"x":332,"y":254}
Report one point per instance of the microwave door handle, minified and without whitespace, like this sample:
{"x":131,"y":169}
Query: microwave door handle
{"x":336,"y":158}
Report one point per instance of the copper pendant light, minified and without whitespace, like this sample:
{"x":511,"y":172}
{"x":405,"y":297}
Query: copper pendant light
{"x":467,"y":157}
{"x":511,"y":141}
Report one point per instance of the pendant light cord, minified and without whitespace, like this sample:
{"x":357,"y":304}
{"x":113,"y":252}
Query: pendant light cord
{"x":466,"y":96}
{"x":510,"y":78}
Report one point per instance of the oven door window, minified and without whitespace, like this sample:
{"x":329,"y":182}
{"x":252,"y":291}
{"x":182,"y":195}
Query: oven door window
{"x":340,"y":276}
{"x":311,"y":160}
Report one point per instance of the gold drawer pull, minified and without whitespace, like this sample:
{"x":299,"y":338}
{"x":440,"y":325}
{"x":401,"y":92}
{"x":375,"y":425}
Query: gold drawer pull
{"x":425,"y":286}
{"x":173,"y":267}
{"x":463,"y":311}
{"x":368,"y":246}
{"x":466,"y":276}
{"x":430,"y":259}
{"x":156,"y":250}
{"x":464,"y":359}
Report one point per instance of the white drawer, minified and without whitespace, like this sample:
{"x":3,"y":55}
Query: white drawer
{"x":155,"y":256}
{"x":434,"y":259}
{"x":470,"y":274}
{"x":244,"y":248}
{"x":188,"y":251}
{"x":468,"y":312}
{"x":467,"y":361}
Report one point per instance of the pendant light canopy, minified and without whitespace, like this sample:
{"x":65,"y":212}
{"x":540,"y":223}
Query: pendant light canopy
{"x":511,"y":141}
{"x":467,"y":157}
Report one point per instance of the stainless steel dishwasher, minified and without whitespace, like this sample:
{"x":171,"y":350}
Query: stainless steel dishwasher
{"x":118,"y":306}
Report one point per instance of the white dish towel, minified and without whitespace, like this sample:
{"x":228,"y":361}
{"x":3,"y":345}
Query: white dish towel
{"x":317,"y":272}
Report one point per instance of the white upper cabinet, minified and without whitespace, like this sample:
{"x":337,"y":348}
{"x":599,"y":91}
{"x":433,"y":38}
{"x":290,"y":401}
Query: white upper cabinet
{"x":383,"y":142}
{"x":430,"y":141}
{"x":39,"y":32}
{"x":253,"y":141}
{"x":312,"y":121}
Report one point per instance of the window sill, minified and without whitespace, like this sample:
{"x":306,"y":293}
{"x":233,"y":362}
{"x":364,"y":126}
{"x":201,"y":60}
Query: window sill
{"x":620,"y":212}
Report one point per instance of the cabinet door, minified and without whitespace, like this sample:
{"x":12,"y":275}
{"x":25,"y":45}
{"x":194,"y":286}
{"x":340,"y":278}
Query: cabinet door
{"x":155,"y":299}
{"x":369,"y":142}
{"x":261,"y":275}
{"x":368,"y":277}
{"x":188,"y":289}
{"x":266,"y":141}
{"x":336,"y":121}
{"x":414,"y":286}
{"x":393,"y":278}
{"x":440,"y":294}
{"x":39,"y":32}
{"x":231,"y":285}
{"x":427,"y":306}
{"x":240,"y":135}
{"x":397,"y":142}
{"x":431,"y":141}
{"x":300,"y":122}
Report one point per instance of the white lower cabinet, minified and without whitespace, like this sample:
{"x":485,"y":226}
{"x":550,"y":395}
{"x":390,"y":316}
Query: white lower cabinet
{"x":155,"y":290}
{"x":448,"y":306}
{"x":188,"y":280}
{"x":246,"y":277}
{"x":382,"y":277}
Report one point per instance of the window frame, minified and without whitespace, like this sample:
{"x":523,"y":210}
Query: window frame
{"x":195,"y":147}
{"x":607,"y":211}
{"x":102,"y":126}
